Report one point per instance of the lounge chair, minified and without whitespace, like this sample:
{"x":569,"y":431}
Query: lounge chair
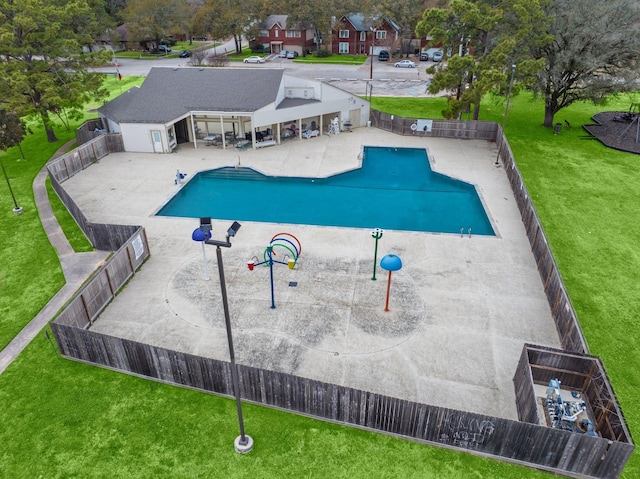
{"x":310,"y":134}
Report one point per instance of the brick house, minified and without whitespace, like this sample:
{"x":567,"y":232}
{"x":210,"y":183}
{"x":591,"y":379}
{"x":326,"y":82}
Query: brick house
{"x":357,"y":35}
{"x":275,"y":34}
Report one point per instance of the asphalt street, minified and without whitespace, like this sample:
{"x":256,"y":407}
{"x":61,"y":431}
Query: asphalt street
{"x":384,"y":79}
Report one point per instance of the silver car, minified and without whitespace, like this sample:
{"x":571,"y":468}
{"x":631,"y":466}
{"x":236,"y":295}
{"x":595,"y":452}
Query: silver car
{"x":405,"y":64}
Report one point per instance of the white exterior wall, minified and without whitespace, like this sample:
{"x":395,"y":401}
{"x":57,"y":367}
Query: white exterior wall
{"x":137,"y":137}
{"x":331,"y":100}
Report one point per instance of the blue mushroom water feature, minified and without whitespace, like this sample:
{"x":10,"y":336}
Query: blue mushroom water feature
{"x":391,"y":263}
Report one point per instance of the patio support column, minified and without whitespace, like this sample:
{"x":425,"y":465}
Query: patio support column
{"x":193,"y":129}
{"x":278,"y":132}
{"x":253,"y":134}
{"x":299,"y":123}
{"x":321,"y":128}
{"x":224,"y":137}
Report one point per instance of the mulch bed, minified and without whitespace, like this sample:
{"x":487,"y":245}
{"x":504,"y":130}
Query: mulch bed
{"x":612,"y":133}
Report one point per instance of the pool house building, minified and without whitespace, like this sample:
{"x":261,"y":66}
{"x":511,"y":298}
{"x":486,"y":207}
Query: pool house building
{"x":228,"y":107}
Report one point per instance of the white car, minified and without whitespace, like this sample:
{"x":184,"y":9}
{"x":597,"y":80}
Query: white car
{"x":405,"y":64}
{"x":254,"y":60}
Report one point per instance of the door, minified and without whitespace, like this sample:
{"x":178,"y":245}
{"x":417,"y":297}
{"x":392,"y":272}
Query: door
{"x":156,"y":137}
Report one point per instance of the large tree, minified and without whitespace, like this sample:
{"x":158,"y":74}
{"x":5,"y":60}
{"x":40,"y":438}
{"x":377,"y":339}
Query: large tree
{"x":485,"y":39}
{"x":405,"y":14}
{"x":43,"y":68}
{"x":156,"y":19}
{"x":594,"y":53}
{"x":228,"y":18}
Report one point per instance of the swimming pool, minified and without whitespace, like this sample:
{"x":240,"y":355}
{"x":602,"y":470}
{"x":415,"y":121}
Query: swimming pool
{"x":395,"y":189}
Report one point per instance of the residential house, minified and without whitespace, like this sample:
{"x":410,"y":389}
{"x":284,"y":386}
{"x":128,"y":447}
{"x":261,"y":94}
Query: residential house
{"x":276,"y":34}
{"x":227,"y":107}
{"x":359,"y":35}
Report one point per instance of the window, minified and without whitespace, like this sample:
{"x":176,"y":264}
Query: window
{"x":344,"y":47}
{"x":276,"y":33}
{"x":381,"y":34}
{"x":363,"y":36}
{"x":344,"y":33}
{"x":288,"y":34}
{"x":293,"y":33}
{"x":264,"y":33}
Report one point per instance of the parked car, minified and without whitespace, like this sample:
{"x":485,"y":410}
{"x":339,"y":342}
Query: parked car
{"x":383,"y":56}
{"x":437,"y":56}
{"x":424,"y":56}
{"x":283,"y":54}
{"x":254,"y":59}
{"x":185,"y":54}
{"x":164,"y":49}
{"x":405,"y":64}
{"x":292,"y":54}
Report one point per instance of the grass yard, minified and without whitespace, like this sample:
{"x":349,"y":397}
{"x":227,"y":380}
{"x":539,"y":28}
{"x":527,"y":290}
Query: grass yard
{"x":63,"y":419}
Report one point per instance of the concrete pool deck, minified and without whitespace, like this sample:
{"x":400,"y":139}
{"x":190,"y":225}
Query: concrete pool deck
{"x":461,"y":307}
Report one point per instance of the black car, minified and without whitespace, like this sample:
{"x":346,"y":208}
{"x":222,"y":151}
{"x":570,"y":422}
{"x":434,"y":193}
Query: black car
{"x":185,"y":54}
{"x":383,"y":56}
{"x":424,"y":56}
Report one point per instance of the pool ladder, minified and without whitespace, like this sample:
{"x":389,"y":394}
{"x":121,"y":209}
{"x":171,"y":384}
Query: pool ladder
{"x":462,"y":232}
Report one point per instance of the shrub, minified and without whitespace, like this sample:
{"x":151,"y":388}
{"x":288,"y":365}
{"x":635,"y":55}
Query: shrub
{"x":322,"y":53}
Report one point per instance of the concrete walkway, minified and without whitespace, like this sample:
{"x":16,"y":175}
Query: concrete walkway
{"x":77,"y":267}
{"x":461,"y":307}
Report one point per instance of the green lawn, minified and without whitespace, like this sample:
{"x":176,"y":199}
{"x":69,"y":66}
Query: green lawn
{"x":334,"y":59}
{"x":62,"y":419}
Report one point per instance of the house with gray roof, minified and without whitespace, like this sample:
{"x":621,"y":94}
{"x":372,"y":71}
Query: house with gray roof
{"x":227,"y":107}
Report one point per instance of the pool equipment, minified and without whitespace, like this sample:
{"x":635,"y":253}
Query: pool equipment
{"x":288,"y":243}
{"x":567,"y":415}
{"x":390,"y":262}
{"x":377,"y":234}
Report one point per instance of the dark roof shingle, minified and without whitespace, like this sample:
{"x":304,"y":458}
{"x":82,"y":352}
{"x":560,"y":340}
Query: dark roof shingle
{"x":168,"y":93}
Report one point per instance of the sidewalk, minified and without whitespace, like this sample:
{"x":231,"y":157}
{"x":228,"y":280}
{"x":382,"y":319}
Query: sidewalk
{"x":77,"y":267}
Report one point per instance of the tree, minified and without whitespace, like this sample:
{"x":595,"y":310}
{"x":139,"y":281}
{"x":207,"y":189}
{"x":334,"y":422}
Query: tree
{"x":485,"y":38}
{"x":12,"y":131}
{"x":594,"y":53}
{"x":228,"y":18}
{"x":43,"y":69}
{"x":156,"y":19}
{"x":405,"y":15}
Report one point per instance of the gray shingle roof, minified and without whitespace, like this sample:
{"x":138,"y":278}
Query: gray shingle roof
{"x":168,"y":93}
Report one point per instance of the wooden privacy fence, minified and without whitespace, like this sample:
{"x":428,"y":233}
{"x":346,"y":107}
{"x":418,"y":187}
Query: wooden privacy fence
{"x":89,"y":302}
{"x":468,"y":130}
{"x":556,"y":450}
{"x":580,"y":372}
{"x":572,"y":454}
{"x":564,"y":316}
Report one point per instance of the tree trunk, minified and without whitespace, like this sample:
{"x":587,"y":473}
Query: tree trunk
{"x":51,"y":135}
{"x":48,"y":127}
{"x":549,"y":112}
{"x":476,"y":111}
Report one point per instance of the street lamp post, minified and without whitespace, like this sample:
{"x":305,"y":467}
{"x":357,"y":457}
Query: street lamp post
{"x":17,"y":209}
{"x":244,"y":442}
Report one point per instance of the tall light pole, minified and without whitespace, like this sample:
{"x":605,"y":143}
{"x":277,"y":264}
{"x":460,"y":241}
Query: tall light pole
{"x":16,"y":210}
{"x":243,"y":443}
{"x":506,"y":109}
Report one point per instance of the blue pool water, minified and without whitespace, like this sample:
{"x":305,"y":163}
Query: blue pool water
{"x":395,"y":189}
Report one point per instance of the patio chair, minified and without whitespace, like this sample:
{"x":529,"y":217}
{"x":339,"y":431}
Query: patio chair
{"x":310,"y":134}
